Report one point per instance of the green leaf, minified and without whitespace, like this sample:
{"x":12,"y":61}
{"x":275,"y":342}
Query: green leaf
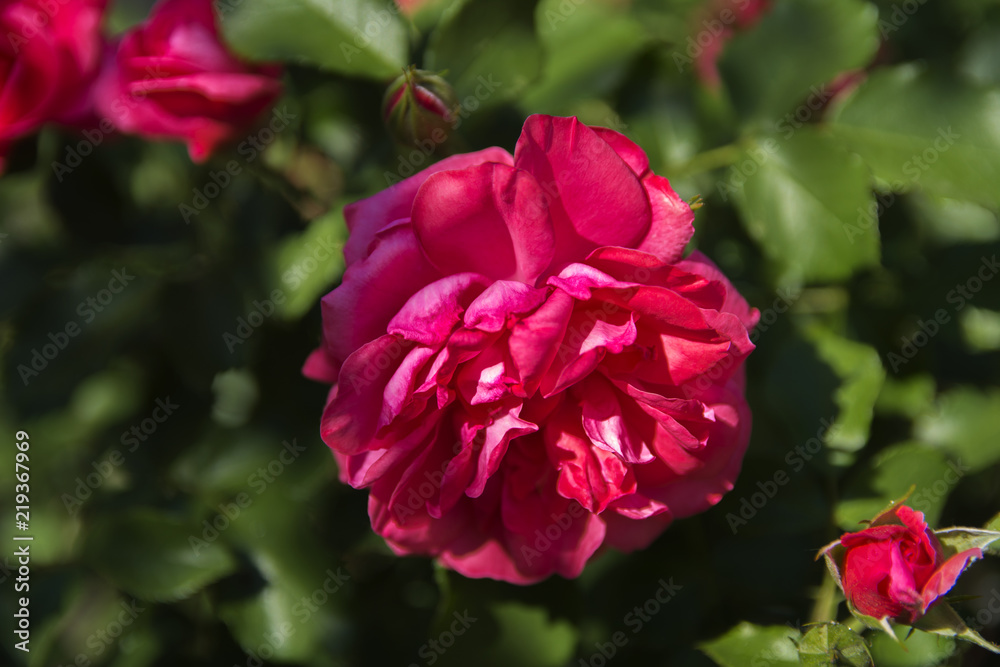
{"x":903,"y":649}
{"x":588,"y":51}
{"x":821,"y":38}
{"x":298,"y":611}
{"x":860,"y":368}
{"x":981,"y":329}
{"x":891,"y":473}
{"x":150,"y":555}
{"x":993,"y":524}
{"x":917,"y":129}
{"x":529,"y":637}
{"x":308,"y":265}
{"x":941,"y":619}
{"x":957,"y":540}
{"x":874,"y":623}
{"x":951,"y":221}
{"x":966,"y":424}
{"x":908,"y":396}
{"x":980,"y":58}
{"x":364,"y":38}
{"x":488,"y":50}
{"x":833,"y":644}
{"x":748,"y":643}
{"x":800,"y":199}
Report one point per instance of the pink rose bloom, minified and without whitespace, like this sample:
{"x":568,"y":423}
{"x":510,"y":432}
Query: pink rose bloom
{"x":895,"y":568}
{"x":49,"y":55}
{"x":172,"y":77}
{"x":524,"y":368}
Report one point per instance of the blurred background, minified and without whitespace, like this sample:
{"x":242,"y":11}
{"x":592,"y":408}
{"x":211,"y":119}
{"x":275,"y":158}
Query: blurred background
{"x":156,"y":314}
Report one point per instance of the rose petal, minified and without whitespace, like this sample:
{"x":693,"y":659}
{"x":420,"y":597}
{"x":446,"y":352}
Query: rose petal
{"x":594,"y":197}
{"x":489,"y":218}
{"x":365,"y":218}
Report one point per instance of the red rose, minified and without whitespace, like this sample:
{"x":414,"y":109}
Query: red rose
{"x":524,"y":367}
{"x":896,"y":567}
{"x":49,"y":54}
{"x":172,"y":77}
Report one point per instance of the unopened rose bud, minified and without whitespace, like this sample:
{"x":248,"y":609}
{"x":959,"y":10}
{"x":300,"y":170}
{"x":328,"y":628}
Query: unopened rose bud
{"x":419,"y":109}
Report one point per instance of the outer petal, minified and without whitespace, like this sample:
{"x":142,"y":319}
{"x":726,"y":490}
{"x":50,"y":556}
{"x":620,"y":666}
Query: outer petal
{"x":945,"y":577}
{"x":697,"y":263}
{"x":373,"y":291}
{"x":595,"y":197}
{"x":365,"y":218}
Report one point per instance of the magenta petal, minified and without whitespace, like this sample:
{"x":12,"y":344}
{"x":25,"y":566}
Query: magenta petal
{"x":535,"y":340}
{"x":596,"y":198}
{"x":490,"y":218}
{"x":902,"y":587}
{"x":367,"y":217}
{"x":945,"y":577}
{"x":626,"y":149}
{"x":497,"y":436}
{"x":587,"y":341}
{"x":429,"y":316}
{"x":352,"y":416}
{"x":320,"y":366}
{"x":720,"y":460}
{"x":593,"y":477}
{"x":373,"y":291}
{"x":605,"y":424}
{"x":672,"y":221}
{"x":697,"y":263}
{"x":225,"y":87}
{"x":498,"y":302}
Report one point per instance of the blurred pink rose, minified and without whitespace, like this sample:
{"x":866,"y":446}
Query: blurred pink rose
{"x":172,"y":77}
{"x":49,"y":55}
{"x":720,"y":21}
{"x":524,"y":367}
